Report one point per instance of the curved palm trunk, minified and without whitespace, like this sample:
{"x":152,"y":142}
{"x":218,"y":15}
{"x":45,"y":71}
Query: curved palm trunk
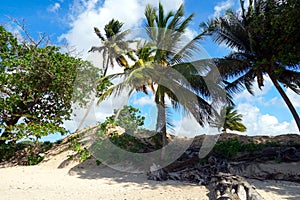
{"x":287,"y":101}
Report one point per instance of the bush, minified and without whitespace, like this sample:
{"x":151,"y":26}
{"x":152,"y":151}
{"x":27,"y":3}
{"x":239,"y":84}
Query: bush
{"x":232,"y":146}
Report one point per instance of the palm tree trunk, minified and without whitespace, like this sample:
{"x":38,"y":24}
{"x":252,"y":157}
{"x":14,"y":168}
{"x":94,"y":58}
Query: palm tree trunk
{"x":161,"y":123}
{"x":163,"y":128}
{"x":287,"y":101}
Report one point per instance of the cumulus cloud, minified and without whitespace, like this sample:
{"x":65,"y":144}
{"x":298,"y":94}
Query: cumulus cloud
{"x":259,"y":94}
{"x":264,"y":124}
{"x":54,"y":8}
{"x":187,"y":127}
{"x":295,"y":98}
{"x":145,"y":100}
{"x":87,"y":14}
{"x":221,"y":7}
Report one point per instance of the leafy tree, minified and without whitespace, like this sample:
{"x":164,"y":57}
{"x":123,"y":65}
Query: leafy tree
{"x":129,"y":119}
{"x":266,"y":40}
{"x":38,"y":86}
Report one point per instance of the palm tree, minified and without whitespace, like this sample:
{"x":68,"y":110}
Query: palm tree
{"x":162,"y":62}
{"x":112,"y":48}
{"x":233,"y":120}
{"x":113,"y":44}
{"x":254,"y":34}
{"x":165,"y":32}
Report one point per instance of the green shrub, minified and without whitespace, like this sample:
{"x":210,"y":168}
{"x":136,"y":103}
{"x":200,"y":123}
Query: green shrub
{"x":76,"y":145}
{"x":34,"y":159}
{"x":228,"y":148}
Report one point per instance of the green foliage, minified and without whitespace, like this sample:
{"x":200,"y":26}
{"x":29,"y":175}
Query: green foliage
{"x":231,"y":147}
{"x":8,"y":150}
{"x":127,"y":142}
{"x":31,"y":151}
{"x":38,"y":86}
{"x":266,"y":41}
{"x":34,"y":159}
{"x":82,"y":152}
{"x":129,"y":119}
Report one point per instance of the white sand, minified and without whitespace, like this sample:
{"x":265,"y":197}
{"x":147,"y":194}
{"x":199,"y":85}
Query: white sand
{"x":46,"y":181}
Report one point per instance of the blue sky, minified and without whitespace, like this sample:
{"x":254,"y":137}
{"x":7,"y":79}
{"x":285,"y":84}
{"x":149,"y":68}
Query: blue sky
{"x":72,"y":22}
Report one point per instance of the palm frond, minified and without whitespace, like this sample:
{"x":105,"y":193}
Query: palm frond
{"x":112,"y":28}
{"x":98,"y":33}
{"x":150,"y":14}
{"x":187,"y":52}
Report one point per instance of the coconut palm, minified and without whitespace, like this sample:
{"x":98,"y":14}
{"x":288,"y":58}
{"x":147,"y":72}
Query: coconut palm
{"x":255,"y":36}
{"x":113,"y":44}
{"x":233,"y":120}
{"x":163,"y":62}
{"x":112,"y":47}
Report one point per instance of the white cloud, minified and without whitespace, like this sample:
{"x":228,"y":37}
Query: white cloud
{"x":221,"y":7}
{"x":15,"y":30}
{"x":145,"y":100}
{"x":295,"y":98}
{"x":90,"y":13}
{"x":55,"y":7}
{"x":263,"y":124}
{"x":187,"y":127}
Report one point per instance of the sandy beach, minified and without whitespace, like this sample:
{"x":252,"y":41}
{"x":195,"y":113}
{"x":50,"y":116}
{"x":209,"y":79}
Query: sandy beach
{"x":89,"y":181}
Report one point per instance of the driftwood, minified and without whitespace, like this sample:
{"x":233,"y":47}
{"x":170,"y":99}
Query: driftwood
{"x":228,"y":186}
{"x":222,"y":177}
{"x":215,"y":176}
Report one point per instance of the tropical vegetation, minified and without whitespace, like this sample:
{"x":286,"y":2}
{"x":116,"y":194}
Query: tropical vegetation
{"x":265,"y":42}
{"x":164,"y":63}
{"x":38,"y":85}
{"x":39,"y":82}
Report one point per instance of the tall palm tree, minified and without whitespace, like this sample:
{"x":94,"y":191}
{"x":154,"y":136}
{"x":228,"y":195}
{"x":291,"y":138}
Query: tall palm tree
{"x":165,"y":32}
{"x":253,"y":34}
{"x":163,"y":62}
